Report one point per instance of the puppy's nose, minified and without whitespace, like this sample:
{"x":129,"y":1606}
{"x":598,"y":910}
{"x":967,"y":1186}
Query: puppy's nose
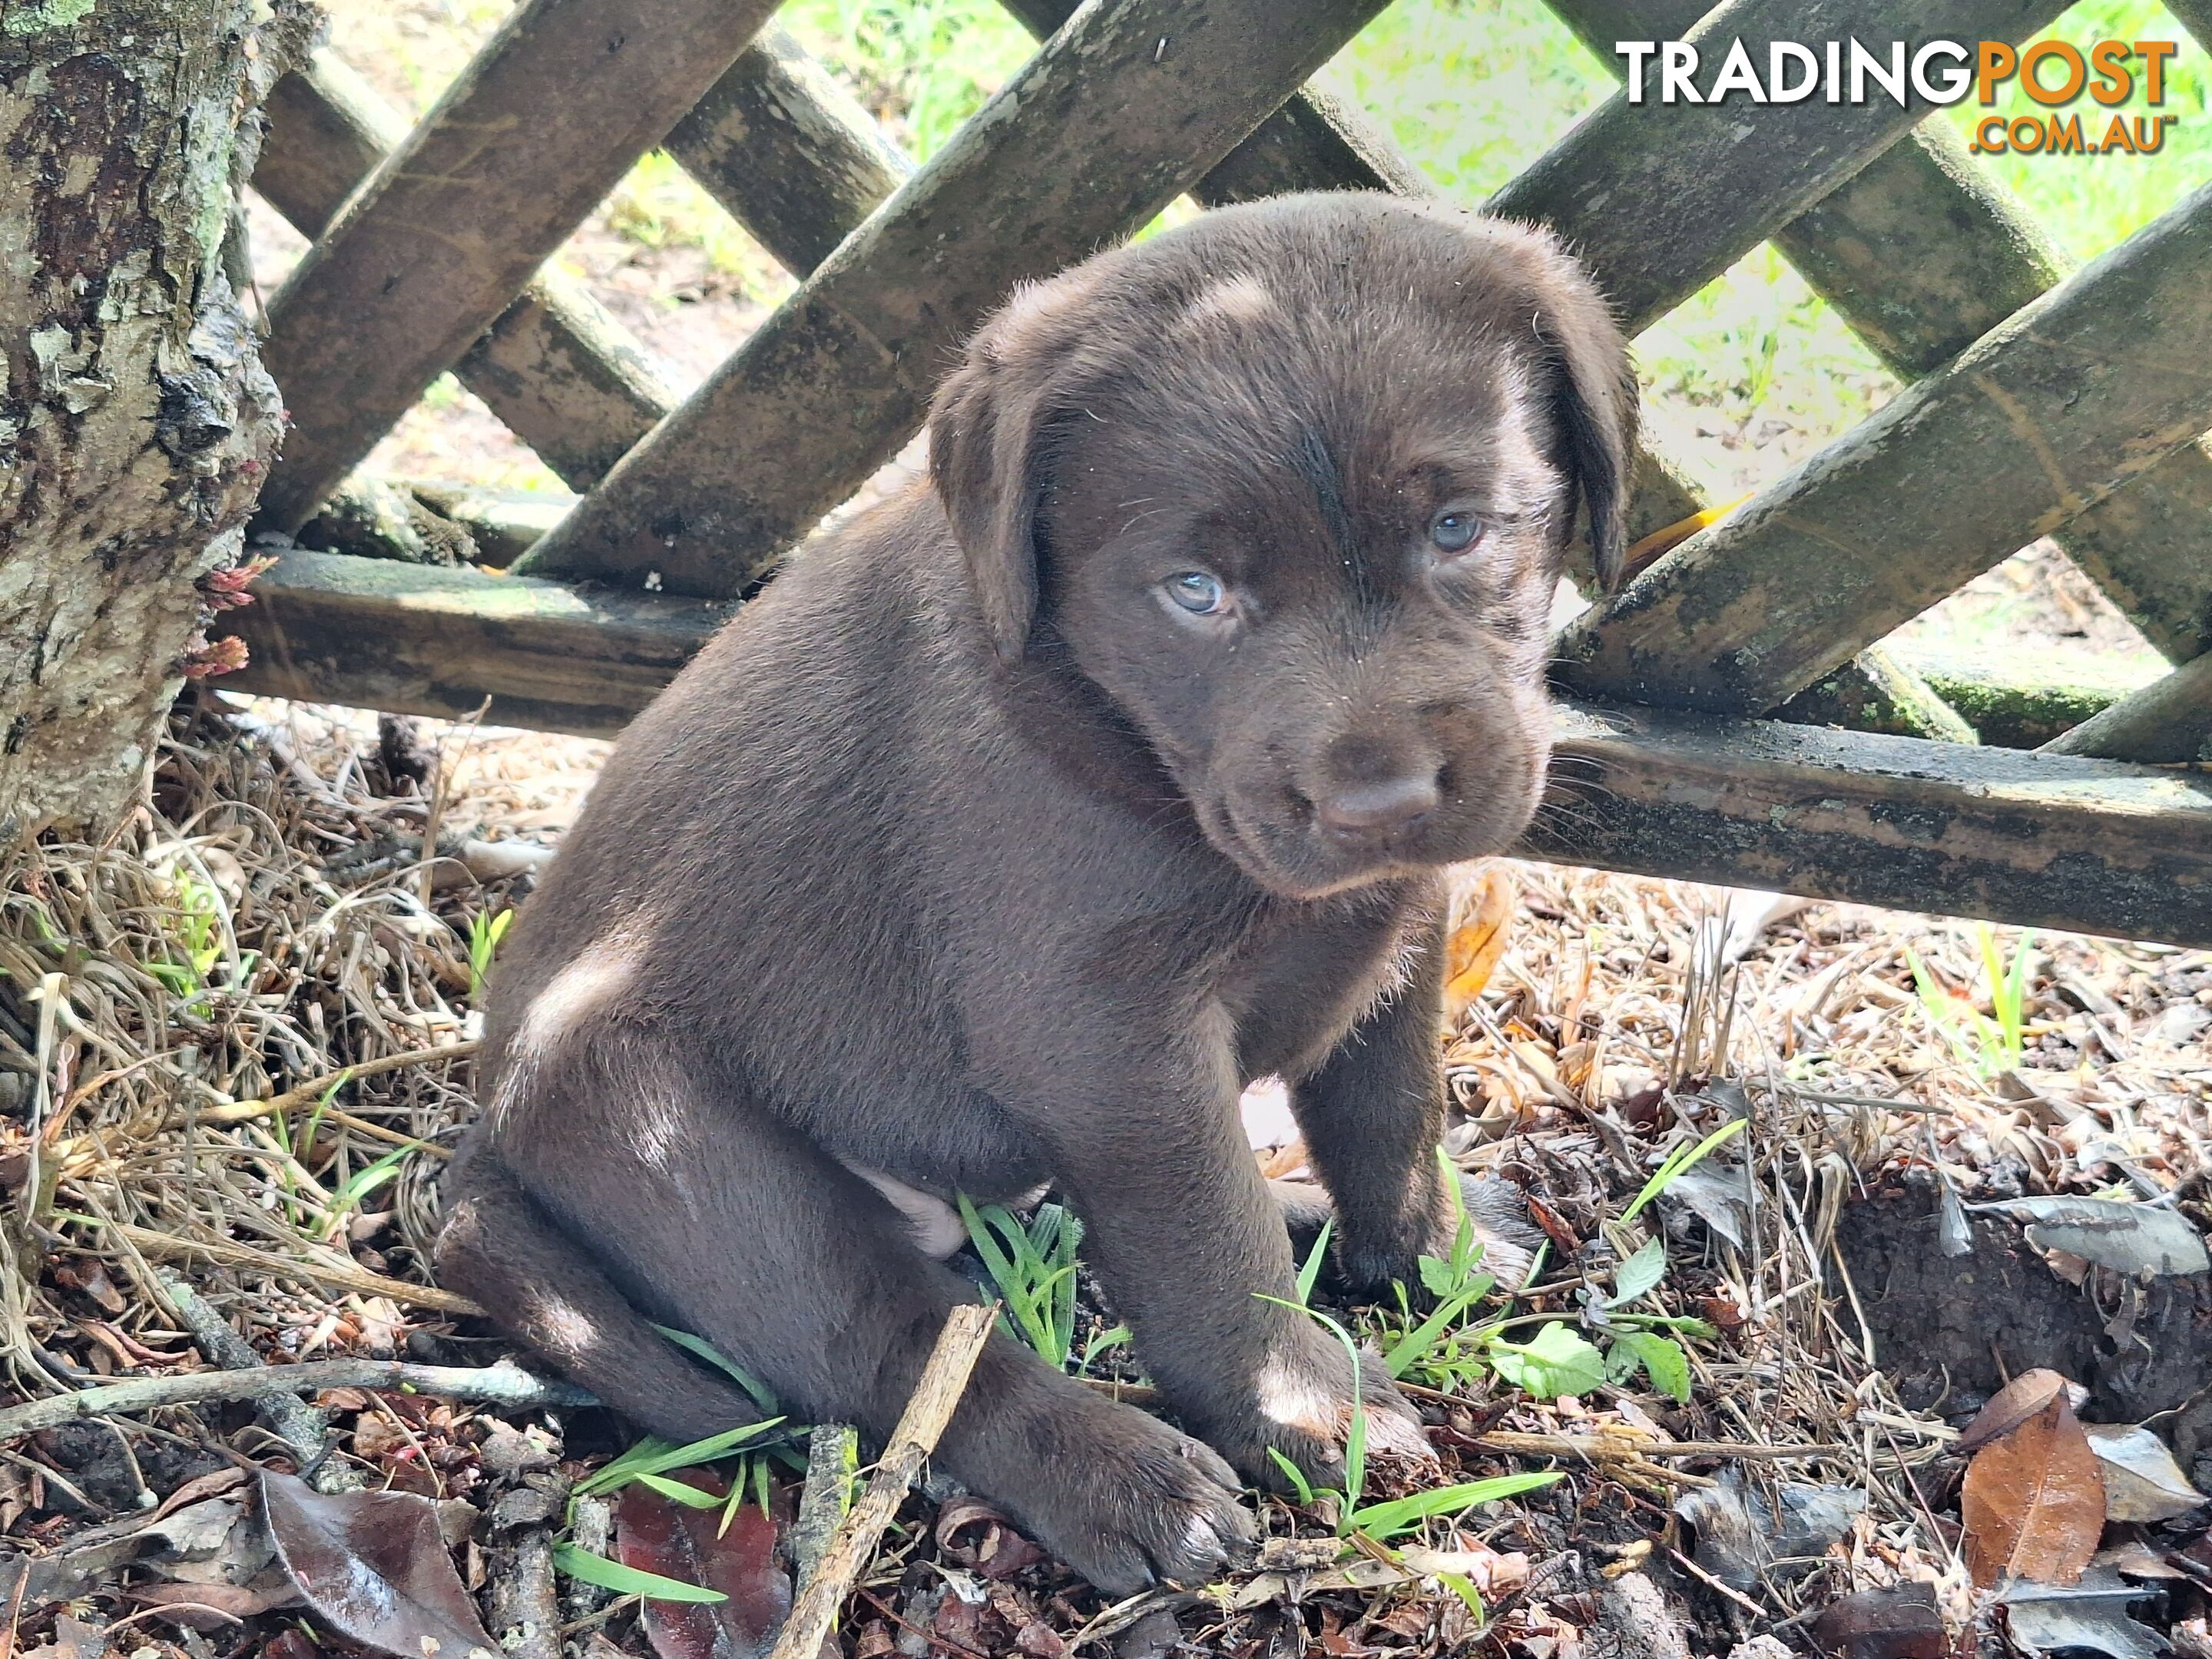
{"x":1374,"y":810}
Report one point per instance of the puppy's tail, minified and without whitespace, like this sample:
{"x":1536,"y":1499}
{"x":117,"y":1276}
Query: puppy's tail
{"x":498,"y":1247}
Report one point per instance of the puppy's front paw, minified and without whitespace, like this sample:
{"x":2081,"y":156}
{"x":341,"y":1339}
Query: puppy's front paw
{"x":1304,"y":1412}
{"x":1127,"y":1501}
{"x":1497,"y":1216}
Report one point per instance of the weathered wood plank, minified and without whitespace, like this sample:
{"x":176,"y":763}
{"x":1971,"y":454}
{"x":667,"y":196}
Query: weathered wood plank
{"x":1661,"y":198}
{"x":1918,"y":694}
{"x":2044,"y":840}
{"x":2052,"y":411}
{"x":428,"y":639}
{"x":2169,"y":719}
{"x":1921,"y":253}
{"x":454,"y":224}
{"x":788,"y":152}
{"x":2041,"y":839}
{"x":1105,"y":127}
{"x":1313,"y":142}
{"x":2010,"y":711}
{"x":564,"y":376}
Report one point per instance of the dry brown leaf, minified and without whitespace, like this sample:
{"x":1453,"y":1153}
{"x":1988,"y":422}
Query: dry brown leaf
{"x":2024,"y":1397}
{"x":1477,"y":939}
{"x":2033,"y":1501}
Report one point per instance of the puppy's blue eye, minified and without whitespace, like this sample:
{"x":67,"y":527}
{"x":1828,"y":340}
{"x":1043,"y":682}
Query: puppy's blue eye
{"x":1455,"y":532}
{"x":1197,"y":592}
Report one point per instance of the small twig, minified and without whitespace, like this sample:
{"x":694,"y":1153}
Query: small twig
{"x":307,"y":1093}
{"x":301,"y":1426}
{"x":1600,"y":1449}
{"x":932,"y":1639}
{"x":498,"y":1385}
{"x":832,"y":1458}
{"x":1718,"y":1587}
{"x":943,"y":1380}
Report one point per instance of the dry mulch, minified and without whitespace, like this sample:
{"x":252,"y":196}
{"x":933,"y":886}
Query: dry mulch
{"x":267,"y":929}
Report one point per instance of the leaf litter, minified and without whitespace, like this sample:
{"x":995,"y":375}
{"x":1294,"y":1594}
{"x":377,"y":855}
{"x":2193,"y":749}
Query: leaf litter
{"x":309,"y":956}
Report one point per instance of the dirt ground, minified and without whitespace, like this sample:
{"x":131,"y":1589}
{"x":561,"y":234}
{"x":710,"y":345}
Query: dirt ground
{"x":269,"y":921}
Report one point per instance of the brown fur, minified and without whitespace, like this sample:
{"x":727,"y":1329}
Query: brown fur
{"x":966,"y":856}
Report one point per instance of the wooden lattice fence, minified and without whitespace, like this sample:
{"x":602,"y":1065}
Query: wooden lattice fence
{"x":1733,"y":708}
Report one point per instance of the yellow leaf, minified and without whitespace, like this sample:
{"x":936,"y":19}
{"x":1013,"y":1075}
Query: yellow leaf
{"x":1477,"y":939}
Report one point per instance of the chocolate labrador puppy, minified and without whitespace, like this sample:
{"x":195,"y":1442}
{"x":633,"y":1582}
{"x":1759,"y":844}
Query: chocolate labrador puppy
{"x":1021,"y":821}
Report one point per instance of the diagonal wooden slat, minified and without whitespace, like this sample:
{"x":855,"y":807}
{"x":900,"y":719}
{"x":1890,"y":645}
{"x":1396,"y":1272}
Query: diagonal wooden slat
{"x":2168,"y":720}
{"x":1924,"y":252}
{"x":1118,"y":114}
{"x":564,"y":377}
{"x":2059,"y":406}
{"x":1921,"y":254}
{"x":788,"y":153}
{"x":2037,"y":839}
{"x":1658,"y":199}
{"x":452,"y":225}
{"x":1313,"y":142}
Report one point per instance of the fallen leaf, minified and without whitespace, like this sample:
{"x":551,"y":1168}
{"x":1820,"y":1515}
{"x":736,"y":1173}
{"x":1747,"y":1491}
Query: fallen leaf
{"x":1739,"y":1534}
{"x":1900,"y":1622}
{"x":373,"y":1566}
{"x":972,"y":1534}
{"x":1716,"y":1193}
{"x":2093,"y":1615}
{"x":2027,"y":1396}
{"x":1477,"y":939}
{"x":196,"y":1532}
{"x":655,"y":1535}
{"x":2034,"y":1499}
{"x":211,"y":1607}
{"x":2129,"y":1238}
{"x":2141,"y":1480}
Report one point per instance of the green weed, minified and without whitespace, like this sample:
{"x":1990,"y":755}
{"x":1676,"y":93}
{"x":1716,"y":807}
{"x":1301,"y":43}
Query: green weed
{"x":485,"y":932}
{"x":1033,"y":1266}
{"x":195,"y":939}
{"x":1990,"y":1042}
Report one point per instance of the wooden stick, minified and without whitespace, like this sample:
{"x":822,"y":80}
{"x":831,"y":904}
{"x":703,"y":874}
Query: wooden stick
{"x":168,"y":1247}
{"x":943,"y":1380}
{"x":306,"y":1094}
{"x":503,"y":1384}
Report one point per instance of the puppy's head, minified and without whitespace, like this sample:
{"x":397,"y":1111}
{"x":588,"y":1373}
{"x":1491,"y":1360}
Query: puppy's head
{"x":1292,"y":485}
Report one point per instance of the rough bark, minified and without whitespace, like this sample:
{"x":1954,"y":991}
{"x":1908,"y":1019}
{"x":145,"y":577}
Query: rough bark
{"x":137,"y":423}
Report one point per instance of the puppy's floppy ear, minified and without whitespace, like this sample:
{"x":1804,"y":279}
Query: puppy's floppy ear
{"x":1593,"y":403}
{"x":988,"y":446}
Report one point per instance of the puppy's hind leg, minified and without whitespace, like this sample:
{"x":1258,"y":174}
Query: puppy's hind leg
{"x":710,"y":1214}
{"x":498,"y":1247}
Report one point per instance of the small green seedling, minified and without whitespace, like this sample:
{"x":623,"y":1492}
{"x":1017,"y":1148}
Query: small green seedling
{"x":1992,"y":1042}
{"x":485,"y":932}
{"x":197,"y":935}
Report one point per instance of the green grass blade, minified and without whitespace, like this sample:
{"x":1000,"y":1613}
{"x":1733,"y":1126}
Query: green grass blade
{"x":1310,"y":1273}
{"x":627,"y":1581}
{"x":1384,"y":1521}
{"x":1675,"y":1165}
{"x":677,"y":1491}
{"x":762,"y":1394}
{"x":663,"y":1457}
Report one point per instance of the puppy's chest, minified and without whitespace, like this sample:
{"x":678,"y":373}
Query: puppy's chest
{"x":1305,"y":977}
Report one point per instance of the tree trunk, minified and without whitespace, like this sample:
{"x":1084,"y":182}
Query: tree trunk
{"x":137,"y":423}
